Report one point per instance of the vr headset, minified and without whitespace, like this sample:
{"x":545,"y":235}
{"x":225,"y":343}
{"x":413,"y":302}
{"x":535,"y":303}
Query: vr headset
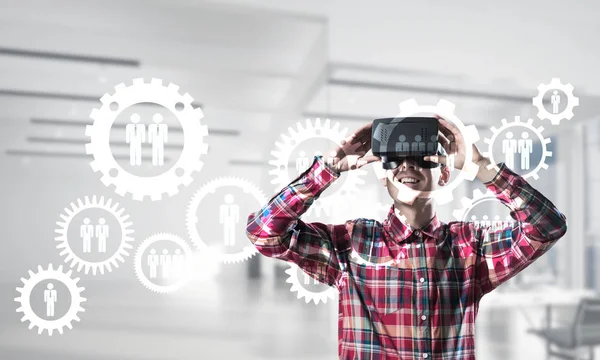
{"x":396,"y":139}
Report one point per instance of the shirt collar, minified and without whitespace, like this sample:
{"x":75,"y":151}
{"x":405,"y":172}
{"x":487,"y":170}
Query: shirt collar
{"x":402,"y":231}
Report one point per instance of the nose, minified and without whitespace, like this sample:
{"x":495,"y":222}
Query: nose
{"x":408,"y":163}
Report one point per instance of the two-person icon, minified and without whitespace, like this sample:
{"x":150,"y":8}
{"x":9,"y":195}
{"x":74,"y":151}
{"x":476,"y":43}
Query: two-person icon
{"x":100,"y":231}
{"x":522,"y":146}
{"x":157,"y":135}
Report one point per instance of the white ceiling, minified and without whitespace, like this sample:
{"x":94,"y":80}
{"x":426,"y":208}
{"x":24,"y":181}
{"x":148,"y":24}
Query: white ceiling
{"x":251,"y":62}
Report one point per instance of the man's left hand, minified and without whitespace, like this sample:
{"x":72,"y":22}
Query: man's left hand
{"x":454,"y":143}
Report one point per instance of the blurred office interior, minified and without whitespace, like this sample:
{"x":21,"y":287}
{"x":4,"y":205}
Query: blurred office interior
{"x":257,"y":68}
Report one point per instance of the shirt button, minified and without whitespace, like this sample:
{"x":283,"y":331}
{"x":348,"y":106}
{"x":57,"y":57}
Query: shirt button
{"x":417,"y":232}
{"x":425,"y":356}
{"x":418,"y":246}
{"x":423,"y":317}
{"x":422,"y":280}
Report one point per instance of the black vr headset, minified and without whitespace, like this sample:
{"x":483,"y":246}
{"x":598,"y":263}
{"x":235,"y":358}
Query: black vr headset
{"x":413,"y":138}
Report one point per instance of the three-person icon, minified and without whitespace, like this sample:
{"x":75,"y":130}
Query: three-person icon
{"x":171,"y":266}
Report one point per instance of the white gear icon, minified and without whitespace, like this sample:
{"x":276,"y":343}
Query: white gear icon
{"x":527,"y":125}
{"x":445,"y":109}
{"x":325,"y":202}
{"x":572,"y":101}
{"x":478,"y":198}
{"x":193,"y":131}
{"x":316,"y":297}
{"x":63,"y":229}
{"x":210,"y":188}
{"x":25,"y":300}
{"x":139,"y":272}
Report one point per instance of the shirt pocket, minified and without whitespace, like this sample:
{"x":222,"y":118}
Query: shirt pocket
{"x":385,"y":288}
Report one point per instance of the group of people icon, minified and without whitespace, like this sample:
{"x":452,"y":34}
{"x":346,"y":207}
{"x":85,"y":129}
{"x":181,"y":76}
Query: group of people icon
{"x":495,"y":224}
{"x":418,"y":146}
{"x":100,"y":231}
{"x":523,"y":146}
{"x":50,"y":298}
{"x":157,"y":135}
{"x":168,"y":265}
{"x":229,"y":217}
{"x":303,"y":161}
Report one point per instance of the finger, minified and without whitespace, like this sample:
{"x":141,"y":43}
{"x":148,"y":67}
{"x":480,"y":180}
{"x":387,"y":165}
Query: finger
{"x":367,"y":160}
{"x":450,"y":126}
{"x":436,"y":159}
{"x":443,"y":139}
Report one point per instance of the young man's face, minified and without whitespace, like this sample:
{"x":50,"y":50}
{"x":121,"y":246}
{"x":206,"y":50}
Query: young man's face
{"x":396,"y":180}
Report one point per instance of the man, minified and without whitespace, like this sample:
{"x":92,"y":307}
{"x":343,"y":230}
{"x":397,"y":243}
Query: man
{"x":423,"y":303}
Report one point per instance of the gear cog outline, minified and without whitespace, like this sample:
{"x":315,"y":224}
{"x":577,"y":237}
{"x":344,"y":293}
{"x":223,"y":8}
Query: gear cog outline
{"x":192,"y":219}
{"x":168,"y":97}
{"x":315,"y":297}
{"x":74,"y":291}
{"x":63,"y":229}
{"x":567,"y":113}
{"x":139,"y":272}
{"x":528,"y":125}
{"x":445,"y":109}
{"x":311,"y":131}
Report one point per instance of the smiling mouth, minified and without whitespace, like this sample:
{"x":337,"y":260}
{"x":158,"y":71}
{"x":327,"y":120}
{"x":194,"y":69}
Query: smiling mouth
{"x":407,"y":181}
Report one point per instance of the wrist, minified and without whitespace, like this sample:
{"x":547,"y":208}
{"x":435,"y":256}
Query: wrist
{"x":487,"y":172}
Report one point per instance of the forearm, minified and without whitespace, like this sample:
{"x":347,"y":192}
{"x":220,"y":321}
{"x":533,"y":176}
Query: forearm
{"x":275,"y":218}
{"x":486,"y":173}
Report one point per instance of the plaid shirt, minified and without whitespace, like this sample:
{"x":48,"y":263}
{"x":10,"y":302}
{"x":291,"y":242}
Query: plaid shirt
{"x":423,"y":305}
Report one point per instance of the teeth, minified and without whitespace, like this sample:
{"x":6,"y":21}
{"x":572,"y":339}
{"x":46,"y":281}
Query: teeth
{"x":409,"y":180}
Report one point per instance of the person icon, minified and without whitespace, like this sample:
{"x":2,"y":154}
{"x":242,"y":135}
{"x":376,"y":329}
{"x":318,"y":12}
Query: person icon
{"x":432,"y":145}
{"x":525,"y":148}
{"x":229,"y":216}
{"x":497,"y":223}
{"x":102,"y":234}
{"x":158,"y":135}
{"x":555,"y":101}
{"x":152,"y":262}
{"x":307,"y":280}
{"x":165,"y":262}
{"x":476,"y":223}
{"x":331,"y":159}
{"x":50,"y":298}
{"x":418,"y":146}
{"x":485,"y":223}
{"x":302,"y":162}
{"x":178,"y":264}
{"x":86,"y":232}
{"x":509,"y":149}
{"x":402,"y":146}
{"x":135,"y":136}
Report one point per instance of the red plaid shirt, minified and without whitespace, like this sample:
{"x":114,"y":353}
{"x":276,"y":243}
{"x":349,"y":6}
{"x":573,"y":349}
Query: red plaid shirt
{"x":424,"y":306}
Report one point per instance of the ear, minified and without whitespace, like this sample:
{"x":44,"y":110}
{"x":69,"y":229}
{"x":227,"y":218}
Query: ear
{"x":444,"y":176}
{"x":383,"y":181}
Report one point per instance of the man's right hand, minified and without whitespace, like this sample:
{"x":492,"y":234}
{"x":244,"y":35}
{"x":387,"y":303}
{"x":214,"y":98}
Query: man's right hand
{"x":354,"y":152}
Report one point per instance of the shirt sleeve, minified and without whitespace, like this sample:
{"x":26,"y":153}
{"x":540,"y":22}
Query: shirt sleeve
{"x":503,"y":253}
{"x":277,"y":231}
